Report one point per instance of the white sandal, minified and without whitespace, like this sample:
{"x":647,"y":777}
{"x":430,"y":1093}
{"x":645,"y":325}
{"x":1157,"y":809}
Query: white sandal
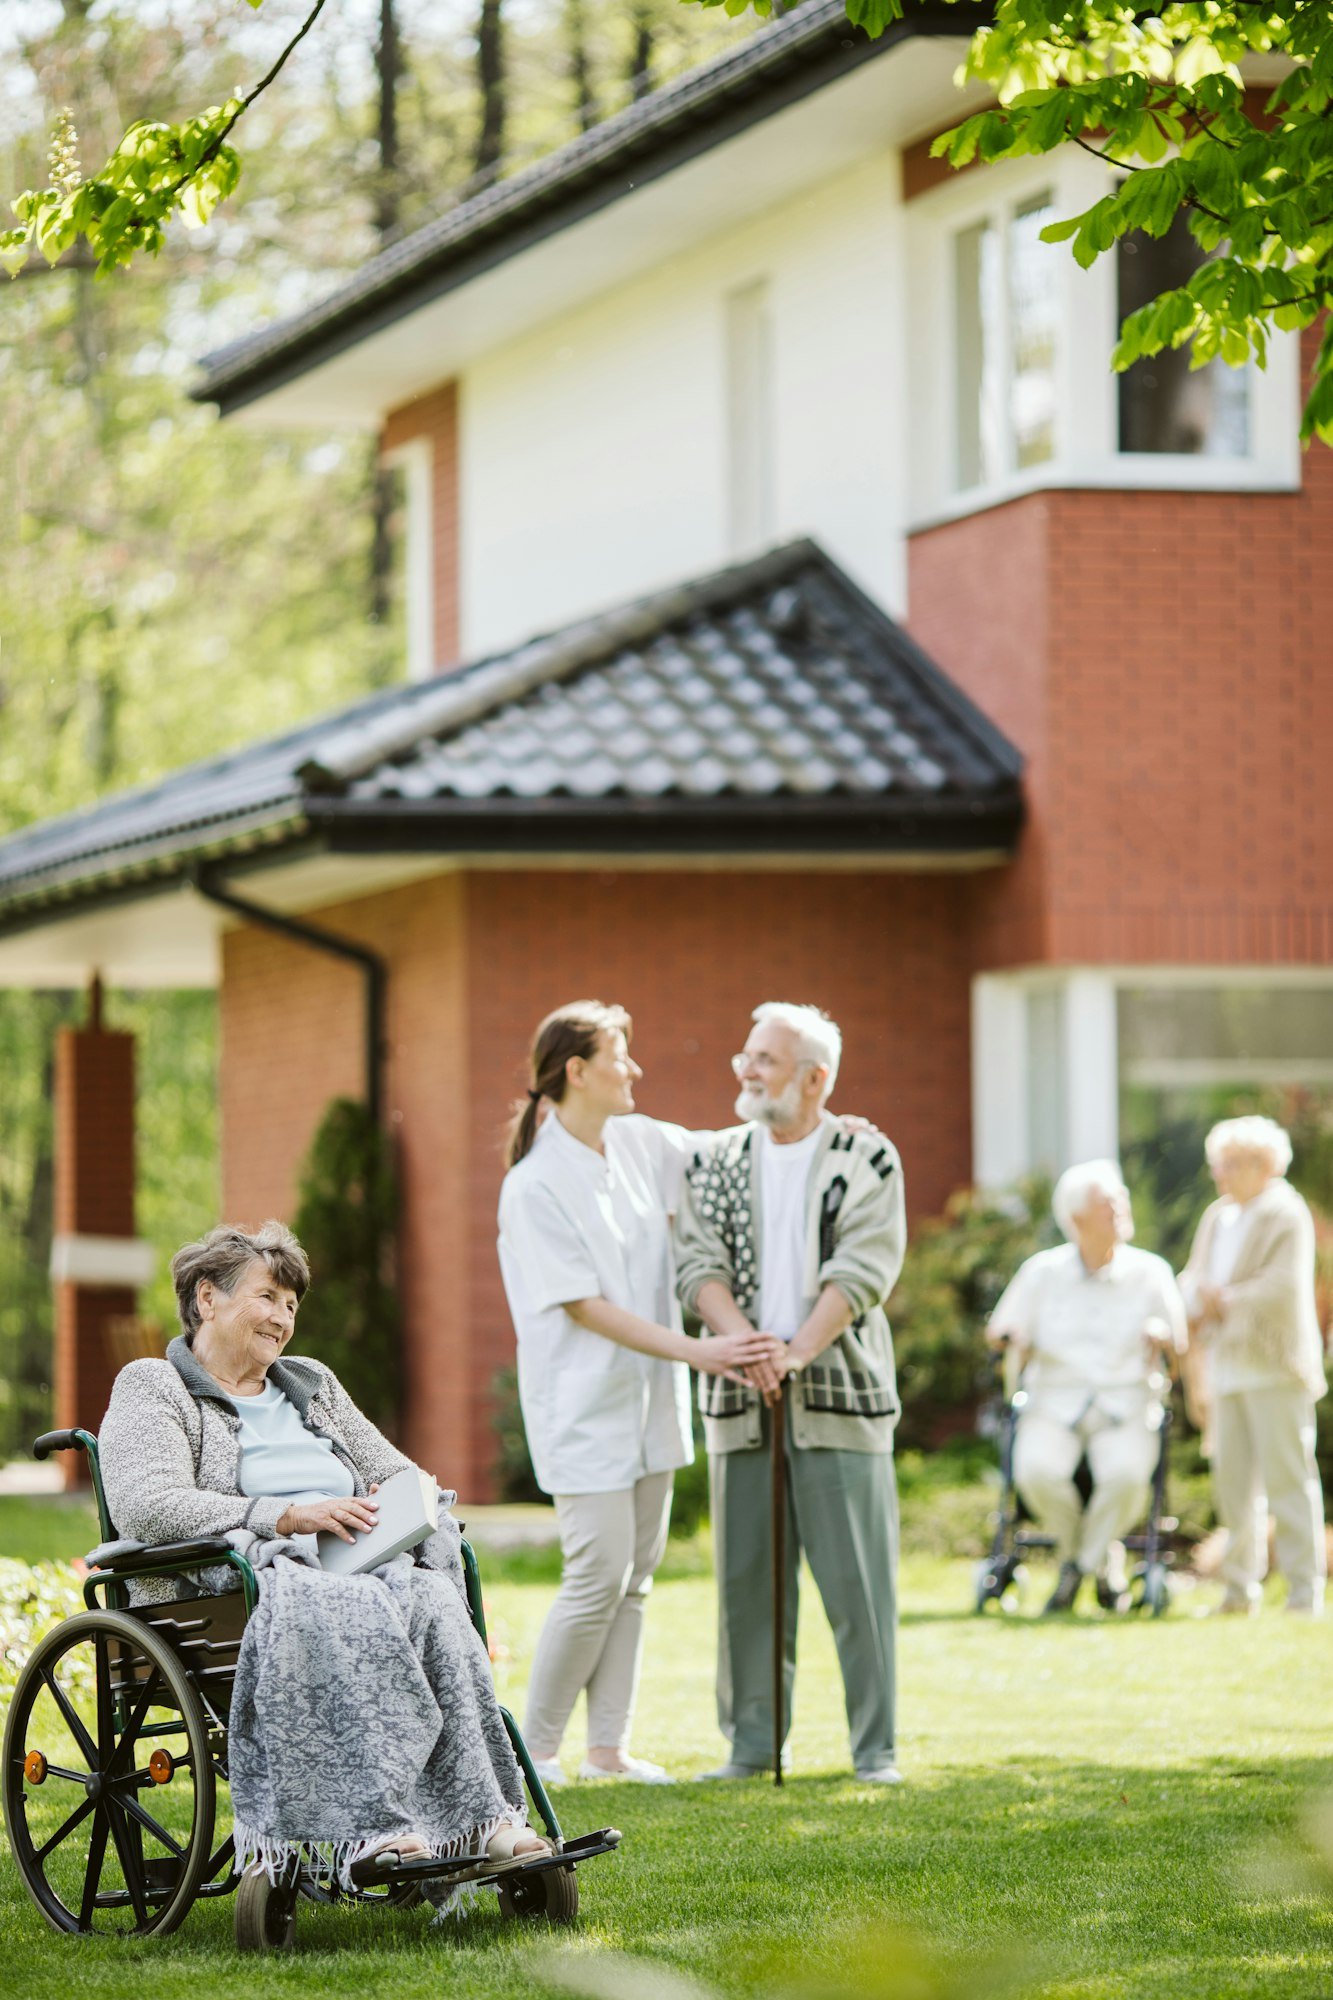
{"x":502,"y":1849}
{"x":396,"y":1847}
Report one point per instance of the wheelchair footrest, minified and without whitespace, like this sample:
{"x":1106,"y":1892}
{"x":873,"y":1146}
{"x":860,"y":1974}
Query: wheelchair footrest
{"x":471,"y":1868}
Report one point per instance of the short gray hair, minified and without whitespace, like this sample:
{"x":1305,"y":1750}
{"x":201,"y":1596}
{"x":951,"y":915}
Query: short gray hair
{"x":225,"y":1255}
{"x":1069,"y":1196}
{"x":1250,"y":1135}
{"x":818,"y":1038}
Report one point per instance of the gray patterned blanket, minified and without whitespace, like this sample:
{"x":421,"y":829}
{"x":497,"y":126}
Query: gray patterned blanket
{"x":363,"y":1707}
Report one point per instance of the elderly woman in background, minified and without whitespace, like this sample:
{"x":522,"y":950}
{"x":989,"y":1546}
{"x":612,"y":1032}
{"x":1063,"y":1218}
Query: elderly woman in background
{"x":1249,"y":1290}
{"x":1088,"y":1323}
{"x":363,"y":1718}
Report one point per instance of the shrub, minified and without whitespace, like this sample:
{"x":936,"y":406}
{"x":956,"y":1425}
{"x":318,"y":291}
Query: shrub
{"x":345,"y":1219}
{"x":956,"y":1268}
{"x":514,"y":1477}
{"x":33,"y":1598}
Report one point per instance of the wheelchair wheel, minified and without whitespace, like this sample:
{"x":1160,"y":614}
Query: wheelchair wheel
{"x":1155,"y":1590}
{"x":993,"y":1581}
{"x":553,"y":1894}
{"x":109,"y":1785}
{"x":265,"y":1914}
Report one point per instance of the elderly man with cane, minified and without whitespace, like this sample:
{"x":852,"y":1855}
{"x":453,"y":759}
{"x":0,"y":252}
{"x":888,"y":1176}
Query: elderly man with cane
{"x":791,"y":1224}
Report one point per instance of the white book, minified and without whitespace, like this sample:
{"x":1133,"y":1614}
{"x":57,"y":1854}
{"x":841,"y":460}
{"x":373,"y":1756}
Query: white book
{"x":409,"y":1513}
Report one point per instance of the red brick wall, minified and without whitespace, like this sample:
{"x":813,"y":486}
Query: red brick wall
{"x":292,"y":1038}
{"x":1165,"y":660}
{"x":435,"y":418}
{"x":475,"y":959}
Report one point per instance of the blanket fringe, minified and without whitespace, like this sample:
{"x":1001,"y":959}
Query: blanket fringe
{"x":334,"y":1860}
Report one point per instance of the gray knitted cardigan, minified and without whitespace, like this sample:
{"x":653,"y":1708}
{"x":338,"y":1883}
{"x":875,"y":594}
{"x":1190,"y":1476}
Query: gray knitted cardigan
{"x":170,"y":1452}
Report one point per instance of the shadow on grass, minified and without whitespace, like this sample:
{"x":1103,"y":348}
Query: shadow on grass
{"x":1105,"y":1880}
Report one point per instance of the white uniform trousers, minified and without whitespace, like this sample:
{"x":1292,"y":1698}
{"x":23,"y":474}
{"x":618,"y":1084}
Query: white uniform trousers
{"x":1121,"y":1457}
{"x":1263,"y":1461}
{"x":593,"y":1636}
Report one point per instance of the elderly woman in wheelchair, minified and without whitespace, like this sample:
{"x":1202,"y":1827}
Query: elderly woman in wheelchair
{"x":1086,"y":1326}
{"x":354,"y":1716}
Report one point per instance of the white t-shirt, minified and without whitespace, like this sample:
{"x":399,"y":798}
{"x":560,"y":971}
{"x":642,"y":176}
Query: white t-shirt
{"x":1085,"y":1330}
{"x":784,"y":1177}
{"x":280,"y":1458}
{"x":577,"y":1224}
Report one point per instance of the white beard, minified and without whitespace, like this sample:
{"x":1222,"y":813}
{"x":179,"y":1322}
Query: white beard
{"x":755,"y":1102}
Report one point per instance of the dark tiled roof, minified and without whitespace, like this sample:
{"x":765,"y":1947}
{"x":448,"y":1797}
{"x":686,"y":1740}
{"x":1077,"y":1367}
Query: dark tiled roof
{"x":770,"y":707}
{"x":780,"y":64}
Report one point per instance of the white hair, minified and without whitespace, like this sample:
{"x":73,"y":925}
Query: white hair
{"x":818,"y":1039}
{"x":1069,"y":1196}
{"x":1250,"y":1135}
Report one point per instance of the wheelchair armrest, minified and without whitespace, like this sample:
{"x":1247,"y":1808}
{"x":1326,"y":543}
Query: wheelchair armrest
{"x":142,"y":1558}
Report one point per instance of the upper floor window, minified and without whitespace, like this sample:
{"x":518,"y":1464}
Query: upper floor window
{"x":1163,"y":404}
{"x":1009,"y":346}
{"x":749,"y":409}
{"x":1006,"y":309}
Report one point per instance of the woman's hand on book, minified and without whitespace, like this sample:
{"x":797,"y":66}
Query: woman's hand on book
{"x":335,"y":1516}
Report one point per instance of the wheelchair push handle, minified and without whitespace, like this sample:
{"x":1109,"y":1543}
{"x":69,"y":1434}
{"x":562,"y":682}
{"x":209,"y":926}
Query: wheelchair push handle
{"x":51,"y":1441}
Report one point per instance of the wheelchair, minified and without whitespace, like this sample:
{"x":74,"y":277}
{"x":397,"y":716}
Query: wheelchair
{"x":1000,"y":1577}
{"x":116,"y":1745}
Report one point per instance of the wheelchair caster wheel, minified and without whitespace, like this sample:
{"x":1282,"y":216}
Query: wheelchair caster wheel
{"x":265,"y":1915}
{"x":553,"y":1894}
{"x":1156,"y":1590}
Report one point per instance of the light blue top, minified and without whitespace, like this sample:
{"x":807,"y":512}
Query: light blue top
{"x":280,"y":1458}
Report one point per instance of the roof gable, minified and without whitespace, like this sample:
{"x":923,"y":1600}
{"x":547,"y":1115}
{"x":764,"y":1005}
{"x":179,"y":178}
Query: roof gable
{"x":771,"y":707}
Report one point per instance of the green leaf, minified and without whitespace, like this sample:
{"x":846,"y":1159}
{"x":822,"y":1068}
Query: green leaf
{"x":874,"y":16}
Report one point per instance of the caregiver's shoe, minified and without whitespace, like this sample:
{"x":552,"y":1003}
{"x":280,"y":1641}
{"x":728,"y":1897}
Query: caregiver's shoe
{"x":550,"y":1770}
{"x":637,"y":1771}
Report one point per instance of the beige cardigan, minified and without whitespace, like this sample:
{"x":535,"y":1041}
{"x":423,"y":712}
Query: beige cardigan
{"x":1271,"y":1320}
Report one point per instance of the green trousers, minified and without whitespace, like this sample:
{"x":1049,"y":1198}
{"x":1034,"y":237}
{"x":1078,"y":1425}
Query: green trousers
{"x":842,"y":1511}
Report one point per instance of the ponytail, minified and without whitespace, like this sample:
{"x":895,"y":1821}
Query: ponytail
{"x":573,"y":1030}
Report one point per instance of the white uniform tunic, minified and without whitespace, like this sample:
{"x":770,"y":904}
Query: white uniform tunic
{"x":1085,"y":1329}
{"x":577,"y":1224}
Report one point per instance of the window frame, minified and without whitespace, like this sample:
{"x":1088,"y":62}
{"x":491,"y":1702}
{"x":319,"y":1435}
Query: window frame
{"x":1087,"y":450}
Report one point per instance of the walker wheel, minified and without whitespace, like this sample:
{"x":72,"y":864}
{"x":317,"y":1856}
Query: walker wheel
{"x":265,"y":1914}
{"x":553,"y":1894}
{"x":1156,"y":1589}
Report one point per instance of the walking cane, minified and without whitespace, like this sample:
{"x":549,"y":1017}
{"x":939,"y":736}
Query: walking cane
{"x":778,"y":1454}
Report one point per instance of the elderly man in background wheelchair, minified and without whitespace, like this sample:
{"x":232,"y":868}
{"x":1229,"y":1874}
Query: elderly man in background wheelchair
{"x":1086,"y":1326}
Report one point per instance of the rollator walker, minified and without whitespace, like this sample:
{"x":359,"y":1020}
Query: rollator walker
{"x":117,"y":1740}
{"x":1001,"y":1577}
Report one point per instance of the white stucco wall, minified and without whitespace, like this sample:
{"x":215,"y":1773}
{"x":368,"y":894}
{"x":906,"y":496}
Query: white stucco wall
{"x":593,"y":451}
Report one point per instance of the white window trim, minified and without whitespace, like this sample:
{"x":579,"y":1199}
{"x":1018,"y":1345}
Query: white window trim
{"x":1001,"y":1151}
{"x":416,"y":459}
{"x":1087,"y":412}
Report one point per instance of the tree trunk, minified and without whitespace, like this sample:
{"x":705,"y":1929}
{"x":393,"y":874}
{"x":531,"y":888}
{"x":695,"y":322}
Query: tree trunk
{"x":388,"y":208}
{"x":388,"y":67}
{"x":641,"y":53}
{"x":585,"y":100}
{"x":491,"y":84}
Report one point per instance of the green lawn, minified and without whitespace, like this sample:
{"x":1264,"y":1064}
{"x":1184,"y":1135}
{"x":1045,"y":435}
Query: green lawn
{"x":1098,"y":1809}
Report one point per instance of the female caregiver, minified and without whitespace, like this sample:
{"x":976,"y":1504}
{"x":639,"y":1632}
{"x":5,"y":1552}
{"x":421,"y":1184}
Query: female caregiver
{"x":585,"y":1250}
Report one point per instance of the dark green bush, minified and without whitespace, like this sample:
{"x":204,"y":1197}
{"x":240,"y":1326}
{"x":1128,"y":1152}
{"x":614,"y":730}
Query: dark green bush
{"x":514,"y":1477}
{"x":345,"y":1218}
{"x":957,"y":1266}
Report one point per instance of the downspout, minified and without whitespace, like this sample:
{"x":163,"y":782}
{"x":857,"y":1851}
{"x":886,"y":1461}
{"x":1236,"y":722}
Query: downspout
{"x":372,"y":967}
